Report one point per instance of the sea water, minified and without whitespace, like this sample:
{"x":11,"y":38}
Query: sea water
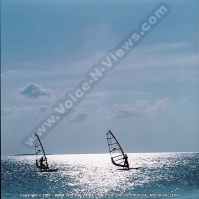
{"x":162,"y":175}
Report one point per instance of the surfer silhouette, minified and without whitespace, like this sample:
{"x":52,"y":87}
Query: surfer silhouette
{"x":42,"y":165}
{"x":126,"y":163}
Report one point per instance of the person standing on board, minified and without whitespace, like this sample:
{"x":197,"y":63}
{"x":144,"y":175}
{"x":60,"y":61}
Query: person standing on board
{"x":126,"y":163}
{"x":42,"y":166}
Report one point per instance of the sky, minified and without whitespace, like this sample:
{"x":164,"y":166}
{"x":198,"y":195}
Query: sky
{"x":149,"y":100}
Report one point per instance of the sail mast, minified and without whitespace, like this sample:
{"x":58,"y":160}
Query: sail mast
{"x":115,"y":149}
{"x":39,"y":151}
{"x":40,"y":144}
{"x":117,"y":143}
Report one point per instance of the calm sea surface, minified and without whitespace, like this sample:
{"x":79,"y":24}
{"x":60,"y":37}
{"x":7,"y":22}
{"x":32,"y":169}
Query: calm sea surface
{"x":162,"y":175}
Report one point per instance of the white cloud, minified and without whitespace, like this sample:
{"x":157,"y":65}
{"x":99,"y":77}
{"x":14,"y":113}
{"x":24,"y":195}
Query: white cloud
{"x":170,"y":58}
{"x":80,"y":117}
{"x":8,"y":73}
{"x":83,"y":111}
{"x":34,"y":91}
{"x":40,"y":110}
{"x":139,"y":108}
{"x":165,"y":47}
{"x":148,"y":61}
{"x":89,"y":110}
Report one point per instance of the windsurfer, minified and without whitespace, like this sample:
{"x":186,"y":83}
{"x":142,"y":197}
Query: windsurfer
{"x":126,"y":163}
{"x":42,"y":165}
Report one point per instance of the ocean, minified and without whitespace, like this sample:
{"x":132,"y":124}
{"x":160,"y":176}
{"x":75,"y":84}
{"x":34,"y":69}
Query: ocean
{"x":162,"y":175}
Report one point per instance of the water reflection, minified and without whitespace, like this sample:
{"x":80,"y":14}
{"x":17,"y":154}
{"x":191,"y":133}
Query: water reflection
{"x":94,"y":174}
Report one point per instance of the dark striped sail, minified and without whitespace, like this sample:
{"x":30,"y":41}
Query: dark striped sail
{"x":41,"y":160}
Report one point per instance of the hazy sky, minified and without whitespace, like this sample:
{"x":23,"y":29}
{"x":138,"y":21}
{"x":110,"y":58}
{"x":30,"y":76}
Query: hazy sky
{"x":150,"y":100}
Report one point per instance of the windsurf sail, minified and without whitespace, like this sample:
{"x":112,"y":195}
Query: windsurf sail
{"x":41,"y":160}
{"x":116,"y":151}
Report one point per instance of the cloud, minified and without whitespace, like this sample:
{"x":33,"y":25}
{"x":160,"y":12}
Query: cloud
{"x":82,"y":112}
{"x":142,"y":108}
{"x":156,"y":48}
{"x":7,"y":73}
{"x":160,"y":62}
{"x":36,"y":110}
{"x":139,"y":108}
{"x":80,"y":117}
{"x":34,"y":91}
